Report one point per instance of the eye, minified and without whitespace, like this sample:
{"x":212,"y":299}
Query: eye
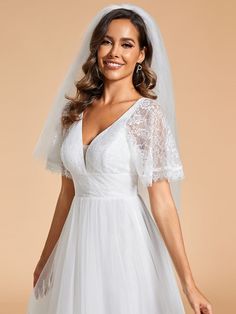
{"x":127,"y":45}
{"x":105,"y":41}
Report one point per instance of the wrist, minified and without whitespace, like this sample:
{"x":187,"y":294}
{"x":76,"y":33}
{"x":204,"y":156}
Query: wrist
{"x":188,"y":283}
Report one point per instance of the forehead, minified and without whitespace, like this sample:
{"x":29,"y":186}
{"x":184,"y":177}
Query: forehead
{"x":119,"y":28}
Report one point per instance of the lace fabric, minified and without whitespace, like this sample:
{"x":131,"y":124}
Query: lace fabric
{"x":151,"y":142}
{"x":54,"y":162}
{"x":58,"y":168}
{"x":153,"y":145}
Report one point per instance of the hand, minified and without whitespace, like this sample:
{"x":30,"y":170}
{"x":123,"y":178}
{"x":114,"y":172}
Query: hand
{"x":38,"y":271}
{"x":197,"y":300}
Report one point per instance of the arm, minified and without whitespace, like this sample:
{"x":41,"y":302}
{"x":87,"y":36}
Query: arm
{"x":61,"y":211}
{"x":166,"y":217}
{"x":157,"y":160}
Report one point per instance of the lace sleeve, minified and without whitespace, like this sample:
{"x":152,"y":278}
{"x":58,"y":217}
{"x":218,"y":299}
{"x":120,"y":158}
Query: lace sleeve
{"x":155,"y":152}
{"x":54,"y":162}
{"x":58,"y":167}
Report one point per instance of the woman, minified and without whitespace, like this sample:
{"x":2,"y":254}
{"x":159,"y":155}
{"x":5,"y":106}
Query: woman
{"x":104,"y":253}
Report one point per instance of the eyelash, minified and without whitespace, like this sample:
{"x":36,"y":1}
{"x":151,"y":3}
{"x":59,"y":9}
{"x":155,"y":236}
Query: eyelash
{"x":106,"y":41}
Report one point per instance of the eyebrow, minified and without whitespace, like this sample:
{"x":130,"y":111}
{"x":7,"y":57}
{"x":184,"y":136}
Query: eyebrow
{"x":123,"y":38}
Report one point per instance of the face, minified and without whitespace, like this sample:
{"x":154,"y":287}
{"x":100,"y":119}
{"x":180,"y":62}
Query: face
{"x":119,"y":51}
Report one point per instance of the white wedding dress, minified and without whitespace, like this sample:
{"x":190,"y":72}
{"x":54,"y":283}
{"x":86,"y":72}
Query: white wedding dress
{"x":110,"y":257}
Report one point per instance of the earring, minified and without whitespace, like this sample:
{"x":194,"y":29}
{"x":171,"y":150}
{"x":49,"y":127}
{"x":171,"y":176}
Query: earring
{"x":139,"y":68}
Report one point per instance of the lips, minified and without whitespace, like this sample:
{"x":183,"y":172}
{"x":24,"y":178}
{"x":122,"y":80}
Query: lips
{"x":112,"y":62}
{"x":112,"y":65}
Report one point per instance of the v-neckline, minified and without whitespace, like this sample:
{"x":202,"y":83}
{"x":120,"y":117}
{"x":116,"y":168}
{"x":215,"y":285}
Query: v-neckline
{"x":108,"y":127}
{"x":89,"y":146}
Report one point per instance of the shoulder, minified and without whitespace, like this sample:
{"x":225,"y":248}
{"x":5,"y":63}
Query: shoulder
{"x":148,"y":104}
{"x":148,"y":109}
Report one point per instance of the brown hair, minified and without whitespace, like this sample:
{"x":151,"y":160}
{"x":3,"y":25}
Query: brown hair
{"x":90,"y":87}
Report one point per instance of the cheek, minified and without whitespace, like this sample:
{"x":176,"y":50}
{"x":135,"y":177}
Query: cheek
{"x":130,"y":59}
{"x":102,"y":51}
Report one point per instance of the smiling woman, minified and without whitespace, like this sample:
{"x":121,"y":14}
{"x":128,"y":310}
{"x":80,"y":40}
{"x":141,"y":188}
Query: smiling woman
{"x":104,"y":253}
{"x":119,"y":32}
{"x":121,"y":54}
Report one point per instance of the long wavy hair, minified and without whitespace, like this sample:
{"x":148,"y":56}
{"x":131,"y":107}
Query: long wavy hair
{"x":91,"y":86}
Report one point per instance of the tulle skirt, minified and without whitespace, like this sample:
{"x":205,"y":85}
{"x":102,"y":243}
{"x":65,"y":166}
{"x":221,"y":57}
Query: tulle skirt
{"x":109,"y":259}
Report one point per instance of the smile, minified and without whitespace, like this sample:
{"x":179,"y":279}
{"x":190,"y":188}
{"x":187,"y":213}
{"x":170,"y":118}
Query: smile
{"x":112,"y":65}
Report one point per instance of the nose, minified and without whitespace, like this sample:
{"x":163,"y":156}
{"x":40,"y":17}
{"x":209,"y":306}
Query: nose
{"x":114,"y":52}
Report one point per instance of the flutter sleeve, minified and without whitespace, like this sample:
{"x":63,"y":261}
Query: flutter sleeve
{"x":153,"y":145}
{"x":54,"y":161}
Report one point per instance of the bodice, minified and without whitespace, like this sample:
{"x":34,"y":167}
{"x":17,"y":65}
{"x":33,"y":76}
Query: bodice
{"x":139,"y":144}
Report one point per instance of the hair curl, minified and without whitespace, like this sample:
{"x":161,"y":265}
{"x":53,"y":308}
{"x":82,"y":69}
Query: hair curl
{"x":90,"y":87}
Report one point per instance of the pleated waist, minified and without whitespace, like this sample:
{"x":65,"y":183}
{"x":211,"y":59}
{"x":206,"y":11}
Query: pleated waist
{"x":106,"y":185}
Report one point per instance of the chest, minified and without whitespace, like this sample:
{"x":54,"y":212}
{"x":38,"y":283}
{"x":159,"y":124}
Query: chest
{"x":108,"y":152}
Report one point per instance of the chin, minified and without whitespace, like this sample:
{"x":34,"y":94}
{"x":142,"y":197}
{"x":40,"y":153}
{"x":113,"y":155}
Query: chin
{"x":112,"y":76}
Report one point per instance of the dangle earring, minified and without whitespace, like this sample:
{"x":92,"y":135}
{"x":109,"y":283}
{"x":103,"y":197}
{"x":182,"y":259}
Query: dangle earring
{"x":139,"y":69}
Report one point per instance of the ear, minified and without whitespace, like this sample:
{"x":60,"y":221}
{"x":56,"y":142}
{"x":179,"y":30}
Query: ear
{"x":142,"y":55}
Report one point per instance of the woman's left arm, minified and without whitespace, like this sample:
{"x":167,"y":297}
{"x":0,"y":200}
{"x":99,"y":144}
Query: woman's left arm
{"x":166,"y":217}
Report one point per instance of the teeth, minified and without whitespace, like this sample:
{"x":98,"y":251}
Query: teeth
{"x":113,"y":64}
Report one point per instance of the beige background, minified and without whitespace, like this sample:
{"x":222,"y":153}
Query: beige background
{"x":39,"y":39}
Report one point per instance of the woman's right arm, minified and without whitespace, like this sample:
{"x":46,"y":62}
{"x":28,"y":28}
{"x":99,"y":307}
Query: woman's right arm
{"x":65,"y":198}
